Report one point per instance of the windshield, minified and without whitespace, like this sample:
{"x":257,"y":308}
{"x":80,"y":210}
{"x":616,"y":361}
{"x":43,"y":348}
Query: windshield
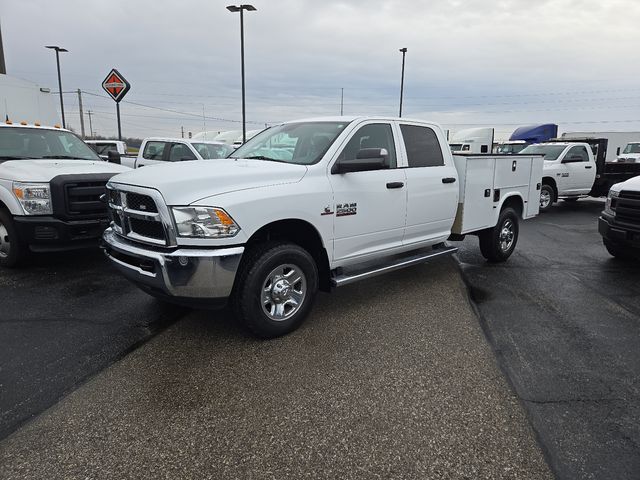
{"x":510,"y":149}
{"x":212,"y":150}
{"x":632,"y":148}
{"x":550,"y":152}
{"x":299,"y":143}
{"x":28,"y":143}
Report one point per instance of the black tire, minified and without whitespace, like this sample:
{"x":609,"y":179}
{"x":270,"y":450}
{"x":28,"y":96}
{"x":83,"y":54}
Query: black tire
{"x":498,"y":243}
{"x":270,"y":264}
{"x":618,"y":251}
{"x":13,"y":250}
{"x":547,"y":197}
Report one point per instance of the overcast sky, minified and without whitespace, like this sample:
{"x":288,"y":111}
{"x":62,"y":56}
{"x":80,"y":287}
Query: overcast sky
{"x":469,"y":63}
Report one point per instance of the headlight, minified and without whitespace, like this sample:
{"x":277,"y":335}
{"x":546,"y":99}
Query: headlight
{"x":35,"y":198}
{"x":613,"y":194}
{"x":204,"y":222}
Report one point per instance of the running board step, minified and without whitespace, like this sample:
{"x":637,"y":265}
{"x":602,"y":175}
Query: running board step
{"x":396,"y":263}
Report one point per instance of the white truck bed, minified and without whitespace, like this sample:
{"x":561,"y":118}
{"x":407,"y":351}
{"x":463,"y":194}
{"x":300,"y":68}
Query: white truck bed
{"x":487,"y":181}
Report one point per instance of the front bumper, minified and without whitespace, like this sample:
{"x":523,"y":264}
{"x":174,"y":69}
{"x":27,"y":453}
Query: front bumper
{"x":44,"y":233}
{"x":622,"y":234}
{"x":188,"y":275}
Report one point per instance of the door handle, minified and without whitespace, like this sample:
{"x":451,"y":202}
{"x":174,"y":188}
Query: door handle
{"x":395,"y":184}
{"x":448,"y":180}
{"x":588,"y":166}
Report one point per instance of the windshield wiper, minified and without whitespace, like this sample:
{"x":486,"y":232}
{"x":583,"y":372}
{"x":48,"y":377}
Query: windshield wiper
{"x":262,"y":157}
{"x":61,"y":157}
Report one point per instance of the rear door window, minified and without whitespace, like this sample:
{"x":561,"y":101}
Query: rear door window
{"x":154,"y":150}
{"x":423,"y":147}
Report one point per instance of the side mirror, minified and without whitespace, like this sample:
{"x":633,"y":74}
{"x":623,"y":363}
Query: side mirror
{"x":366,"y":159}
{"x":113,"y":157}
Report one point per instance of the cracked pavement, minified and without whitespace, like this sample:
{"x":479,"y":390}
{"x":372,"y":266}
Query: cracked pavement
{"x":564,"y":320}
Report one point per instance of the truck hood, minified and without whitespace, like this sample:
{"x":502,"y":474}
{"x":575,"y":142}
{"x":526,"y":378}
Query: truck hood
{"x":44,"y":170}
{"x":183,"y":183}
{"x":631,"y":184}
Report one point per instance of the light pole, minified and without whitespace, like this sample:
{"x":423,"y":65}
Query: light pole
{"x":241,"y":9}
{"x":58,"y":50}
{"x":404,"y":52}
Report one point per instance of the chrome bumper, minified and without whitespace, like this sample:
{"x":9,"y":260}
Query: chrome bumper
{"x":183,"y":273}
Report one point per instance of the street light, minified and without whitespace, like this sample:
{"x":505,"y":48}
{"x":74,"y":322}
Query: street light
{"x":58,"y":50}
{"x":241,"y":9}
{"x":404,"y":52}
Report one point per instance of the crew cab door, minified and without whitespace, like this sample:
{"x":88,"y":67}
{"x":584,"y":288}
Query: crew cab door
{"x":581,"y":171}
{"x":369,"y":206}
{"x":432,"y":185}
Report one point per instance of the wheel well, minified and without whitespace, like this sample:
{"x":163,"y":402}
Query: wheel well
{"x":514,"y":202}
{"x":551,"y":182}
{"x":301,"y":233}
{"x":3,"y":206}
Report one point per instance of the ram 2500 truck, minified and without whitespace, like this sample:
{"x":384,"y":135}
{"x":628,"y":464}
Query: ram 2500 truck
{"x":619,"y":223}
{"x":307,"y":206}
{"x":50,"y":184}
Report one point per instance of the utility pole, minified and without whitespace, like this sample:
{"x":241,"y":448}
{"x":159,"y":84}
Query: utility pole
{"x":341,"y":101}
{"x":404,"y":52}
{"x":89,"y":112}
{"x":3,"y":67}
{"x":81,"y":113}
{"x":182,"y":131}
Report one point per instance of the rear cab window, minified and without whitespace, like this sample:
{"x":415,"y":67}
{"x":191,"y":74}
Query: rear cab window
{"x":422,"y":146}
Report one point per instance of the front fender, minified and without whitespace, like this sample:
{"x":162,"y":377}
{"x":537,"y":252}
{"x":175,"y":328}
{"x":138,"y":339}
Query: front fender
{"x":7,"y":198}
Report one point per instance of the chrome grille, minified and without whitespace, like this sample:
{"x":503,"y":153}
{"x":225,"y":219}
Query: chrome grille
{"x":140,"y":214}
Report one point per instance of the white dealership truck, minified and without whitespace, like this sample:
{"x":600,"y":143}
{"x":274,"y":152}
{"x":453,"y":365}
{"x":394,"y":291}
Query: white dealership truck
{"x":309,"y":205}
{"x":619,"y":223}
{"x":569,"y":171}
{"x":630,"y":153}
{"x":472,"y":140}
{"x":50,"y":188}
{"x":157,"y":150}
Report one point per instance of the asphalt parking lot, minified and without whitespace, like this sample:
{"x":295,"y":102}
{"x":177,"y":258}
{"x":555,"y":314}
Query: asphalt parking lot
{"x":564,"y":320}
{"x":63,"y":318}
{"x":400,"y":384}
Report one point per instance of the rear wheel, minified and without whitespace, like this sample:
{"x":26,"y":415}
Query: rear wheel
{"x":12,"y":250}
{"x":547,"y":197}
{"x":276,"y":286}
{"x":498,"y":243}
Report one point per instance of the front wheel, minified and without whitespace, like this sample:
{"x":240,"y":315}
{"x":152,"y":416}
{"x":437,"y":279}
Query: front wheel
{"x":618,"y":251}
{"x":12,"y":250}
{"x":276,"y":286}
{"x":547,"y":197}
{"x":498,"y":243}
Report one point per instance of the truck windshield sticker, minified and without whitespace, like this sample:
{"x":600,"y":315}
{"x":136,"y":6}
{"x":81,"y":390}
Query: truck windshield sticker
{"x":344,"y":209}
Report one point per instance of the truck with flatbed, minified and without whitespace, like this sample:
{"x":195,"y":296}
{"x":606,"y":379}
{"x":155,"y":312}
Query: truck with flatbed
{"x":311,"y":205}
{"x":50,"y":188}
{"x":577,"y":168}
{"x":619,"y":223}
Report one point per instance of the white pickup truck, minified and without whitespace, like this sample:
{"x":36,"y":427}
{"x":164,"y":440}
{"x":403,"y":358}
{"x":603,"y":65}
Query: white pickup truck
{"x":308,"y":205}
{"x":103,"y":147}
{"x":154,"y":151}
{"x":619,"y":223}
{"x":50,"y":184}
{"x":569,"y":171}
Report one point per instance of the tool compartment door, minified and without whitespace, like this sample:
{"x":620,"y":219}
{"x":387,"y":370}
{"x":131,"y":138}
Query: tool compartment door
{"x":532,"y":208}
{"x":475,"y":205}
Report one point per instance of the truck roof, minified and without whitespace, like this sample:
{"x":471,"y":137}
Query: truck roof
{"x":34,"y":126}
{"x":179,"y":139}
{"x":353,"y":118}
